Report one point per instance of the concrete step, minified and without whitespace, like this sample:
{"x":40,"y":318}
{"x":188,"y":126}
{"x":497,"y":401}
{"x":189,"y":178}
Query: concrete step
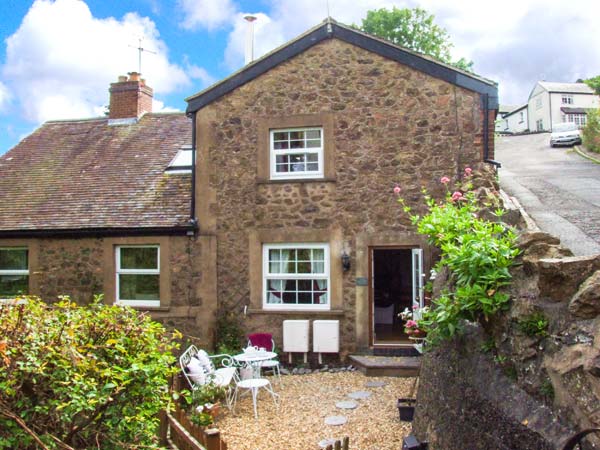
{"x":387,"y":366}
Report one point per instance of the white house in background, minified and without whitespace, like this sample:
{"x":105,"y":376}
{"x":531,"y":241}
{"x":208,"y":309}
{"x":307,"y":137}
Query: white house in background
{"x":552,"y":103}
{"x":516,"y":120}
{"x":503,"y":110}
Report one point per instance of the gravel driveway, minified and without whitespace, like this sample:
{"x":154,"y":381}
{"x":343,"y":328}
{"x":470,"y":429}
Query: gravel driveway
{"x":557,"y":187}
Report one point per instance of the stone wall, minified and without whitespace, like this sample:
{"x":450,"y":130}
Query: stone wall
{"x":465,"y":401}
{"x":84,"y":267}
{"x":539,"y":376}
{"x":384,"y":124}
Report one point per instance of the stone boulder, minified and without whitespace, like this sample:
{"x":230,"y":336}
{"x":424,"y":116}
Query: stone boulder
{"x":560,"y":278}
{"x":586,"y":301}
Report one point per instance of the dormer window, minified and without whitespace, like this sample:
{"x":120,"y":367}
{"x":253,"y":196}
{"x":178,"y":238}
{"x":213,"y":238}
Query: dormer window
{"x":182,"y":163}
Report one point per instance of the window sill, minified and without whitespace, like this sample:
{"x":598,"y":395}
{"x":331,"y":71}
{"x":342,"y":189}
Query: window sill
{"x":297,"y":180}
{"x":290,"y":312}
{"x":150,"y":308}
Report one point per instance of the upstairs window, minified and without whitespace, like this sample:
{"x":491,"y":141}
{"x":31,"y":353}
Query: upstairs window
{"x":138,"y":275}
{"x":14,"y":272}
{"x":567,"y":99}
{"x":296,"y":153}
{"x":538,"y":103}
{"x":296,"y":276}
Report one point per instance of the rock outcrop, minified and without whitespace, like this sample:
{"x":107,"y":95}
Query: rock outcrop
{"x":540,"y":378}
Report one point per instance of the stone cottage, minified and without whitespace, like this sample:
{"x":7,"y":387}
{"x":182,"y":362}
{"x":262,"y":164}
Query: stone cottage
{"x":289,"y":212}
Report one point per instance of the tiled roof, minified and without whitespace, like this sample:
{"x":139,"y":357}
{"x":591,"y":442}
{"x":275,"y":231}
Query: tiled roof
{"x":572,"y":88}
{"x":85,"y":174}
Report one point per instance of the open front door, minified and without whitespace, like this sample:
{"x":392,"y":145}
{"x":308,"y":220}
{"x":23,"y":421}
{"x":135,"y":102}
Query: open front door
{"x":417,"y":278}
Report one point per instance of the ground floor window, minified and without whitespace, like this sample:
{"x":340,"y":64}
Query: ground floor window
{"x":579,"y":119}
{"x":138,"y":275}
{"x":14,"y":272}
{"x":296,"y":276}
{"x":539,"y":125}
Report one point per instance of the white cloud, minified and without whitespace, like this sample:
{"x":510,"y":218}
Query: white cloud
{"x":515,"y":43}
{"x":287,"y":19}
{"x":60,"y":61}
{"x":5,"y":96}
{"x":159,"y":106}
{"x":206,"y":14}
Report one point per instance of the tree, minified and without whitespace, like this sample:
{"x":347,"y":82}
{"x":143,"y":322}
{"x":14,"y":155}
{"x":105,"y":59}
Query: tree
{"x":414,"y":29}
{"x":594,"y":83}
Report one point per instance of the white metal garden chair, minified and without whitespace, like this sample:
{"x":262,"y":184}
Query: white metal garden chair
{"x":254,"y":385}
{"x":198,"y":369}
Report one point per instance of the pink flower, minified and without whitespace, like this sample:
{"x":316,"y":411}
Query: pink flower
{"x":445,"y":180}
{"x":468,"y":171}
{"x":457,"y":196}
{"x":411,"y":324}
{"x":415,"y":307}
{"x":397,"y":190}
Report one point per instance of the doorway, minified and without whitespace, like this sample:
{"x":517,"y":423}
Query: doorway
{"x":396,"y":284}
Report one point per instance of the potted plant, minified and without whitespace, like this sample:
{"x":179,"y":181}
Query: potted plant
{"x":415,"y":321}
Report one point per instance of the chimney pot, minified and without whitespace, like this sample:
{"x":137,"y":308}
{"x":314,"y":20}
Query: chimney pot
{"x":122,"y":78}
{"x":134,"y":76}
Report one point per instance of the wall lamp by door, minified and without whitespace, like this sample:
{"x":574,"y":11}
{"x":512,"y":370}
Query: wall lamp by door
{"x":345,"y":261}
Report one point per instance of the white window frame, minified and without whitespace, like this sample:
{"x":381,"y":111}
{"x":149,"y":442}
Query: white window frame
{"x":567,"y":99}
{"x":119,"y":271}
{"x":296,"y":175}
{"x":296,"y":276}
{"x":17,"y":272}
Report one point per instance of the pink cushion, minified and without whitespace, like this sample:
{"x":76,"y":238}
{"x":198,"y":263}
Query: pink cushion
{"x":261,"y":340}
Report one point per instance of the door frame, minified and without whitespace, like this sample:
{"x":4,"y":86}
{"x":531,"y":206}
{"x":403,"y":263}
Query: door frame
{"x":371,"y":279}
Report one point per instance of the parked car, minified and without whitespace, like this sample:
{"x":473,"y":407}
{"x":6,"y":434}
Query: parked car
{"x":565,"y":133}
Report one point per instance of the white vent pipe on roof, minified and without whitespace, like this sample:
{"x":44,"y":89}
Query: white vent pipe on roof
{"x":249,"y":53}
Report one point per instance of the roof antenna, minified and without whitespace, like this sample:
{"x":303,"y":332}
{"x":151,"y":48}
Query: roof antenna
{"x":328,"y":15}
{"x":140,"y":49}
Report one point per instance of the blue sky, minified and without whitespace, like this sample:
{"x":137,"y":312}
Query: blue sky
{"x":58,"y":57}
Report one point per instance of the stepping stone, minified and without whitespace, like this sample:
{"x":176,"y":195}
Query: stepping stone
{"x":347,"y":404}
{"x":373,"y":384}
{"x":325,"y":442}
{"x":359,"y":395}
{"x":335,"y":420}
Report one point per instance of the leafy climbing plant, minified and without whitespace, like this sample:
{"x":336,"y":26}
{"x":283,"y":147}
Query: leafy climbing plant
{"x":477,"y":252}
{"x":81,"y":377}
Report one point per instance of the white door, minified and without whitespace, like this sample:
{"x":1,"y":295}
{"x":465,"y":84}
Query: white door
{"x":417,"y":278}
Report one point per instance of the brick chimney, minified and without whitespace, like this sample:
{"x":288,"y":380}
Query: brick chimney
{"x":130,"y":97}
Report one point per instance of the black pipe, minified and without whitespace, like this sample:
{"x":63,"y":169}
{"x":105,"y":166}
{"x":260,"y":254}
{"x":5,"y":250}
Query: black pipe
{"x":193,"y":219}
{"x":486,"y":133}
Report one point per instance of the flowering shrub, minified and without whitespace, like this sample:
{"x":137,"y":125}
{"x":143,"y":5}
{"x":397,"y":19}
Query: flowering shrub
{"x":81,"y":377}
{"x":477,"y":252}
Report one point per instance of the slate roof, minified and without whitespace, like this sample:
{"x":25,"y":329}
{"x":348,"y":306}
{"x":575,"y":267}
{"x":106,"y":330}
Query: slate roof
{"x":569,"y":88}
{"x":332,"y":29}
{"x":85,"y":175}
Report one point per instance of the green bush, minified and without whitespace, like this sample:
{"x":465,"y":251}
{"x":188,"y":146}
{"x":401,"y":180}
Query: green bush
{"x":477,"y":252}
{"x":591,"y":132}
{"x":84,"y":377}
{"x":535,"y":324}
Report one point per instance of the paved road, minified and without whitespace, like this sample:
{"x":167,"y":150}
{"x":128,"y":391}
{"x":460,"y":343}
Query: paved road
{"x":557,"y":187}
